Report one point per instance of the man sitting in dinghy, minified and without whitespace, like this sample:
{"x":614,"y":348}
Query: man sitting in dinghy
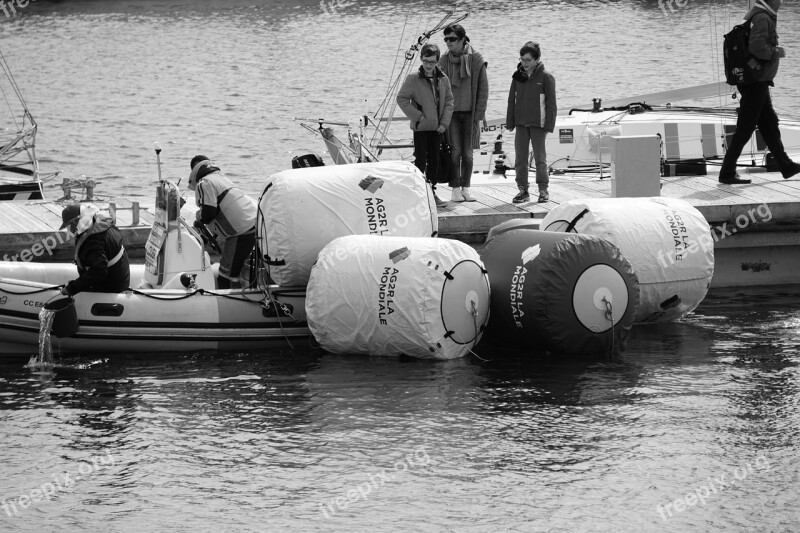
{"x":102,"y":261}
{"x":228,"y":212}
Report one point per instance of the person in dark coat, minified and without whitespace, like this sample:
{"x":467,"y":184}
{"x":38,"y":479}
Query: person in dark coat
{"x":755,"y":106}
{"x":103,"y":264}
{"x":532,"y":111}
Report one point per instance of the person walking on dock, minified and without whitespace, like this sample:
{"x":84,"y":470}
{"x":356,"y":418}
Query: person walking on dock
{"x":228,"y":212}
{"x":755,"y":106}
{"x":426,"y":99}
{"x":532,"y":111}
{"x":103,"y":264}
{"x":466,"y":70}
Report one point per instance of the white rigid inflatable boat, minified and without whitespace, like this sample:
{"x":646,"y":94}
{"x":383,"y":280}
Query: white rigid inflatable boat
{"x":175,"y":306}
{"x":162,"y":315}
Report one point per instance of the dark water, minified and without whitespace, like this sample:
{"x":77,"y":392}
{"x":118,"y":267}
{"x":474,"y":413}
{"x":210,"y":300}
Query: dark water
{"x":525,"y":441}
{"x":702,"y":409}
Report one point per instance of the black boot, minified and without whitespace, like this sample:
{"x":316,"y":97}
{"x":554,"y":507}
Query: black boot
{"x":791,"y":170}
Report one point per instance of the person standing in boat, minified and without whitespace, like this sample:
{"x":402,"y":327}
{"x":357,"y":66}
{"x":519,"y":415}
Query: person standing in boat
{"x":103,"y":264}
{"x":466,"y":70}
{"x":532,"y":111}
{"x":755,"y":106}
{"x":228,"y":212}
{"x":426,"y":99}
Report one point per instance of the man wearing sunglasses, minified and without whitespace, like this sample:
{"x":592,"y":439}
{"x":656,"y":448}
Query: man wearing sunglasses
{"x":102,"y":261}
{"x":466,"y":70}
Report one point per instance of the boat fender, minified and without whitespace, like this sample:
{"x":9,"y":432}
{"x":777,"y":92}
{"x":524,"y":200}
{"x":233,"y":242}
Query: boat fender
{"x":568,"y":293}
{"x":667,"y":241}
{"x":422,"y":297}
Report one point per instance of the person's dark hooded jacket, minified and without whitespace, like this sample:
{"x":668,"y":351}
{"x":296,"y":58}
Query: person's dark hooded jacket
{"x":103,"y":264}
{"x":763,"y":42}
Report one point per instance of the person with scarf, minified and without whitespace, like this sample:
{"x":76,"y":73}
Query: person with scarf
{"x":103,"y":264}
{"x":755,"y":105}
{"x":466,"y":70}
{"x":532,"y":111}
{"x":425,"y":98}
{"x":227,"y":212}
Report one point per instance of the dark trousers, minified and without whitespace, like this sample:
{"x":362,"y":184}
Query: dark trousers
{"x":534,"y":137}
{"x":426,"y":154}
{"x":461,"y":148}
{"x":755,"y":109}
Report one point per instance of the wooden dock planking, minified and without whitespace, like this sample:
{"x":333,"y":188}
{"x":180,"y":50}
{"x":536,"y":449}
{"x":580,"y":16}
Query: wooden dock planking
{"x":24,"y":223}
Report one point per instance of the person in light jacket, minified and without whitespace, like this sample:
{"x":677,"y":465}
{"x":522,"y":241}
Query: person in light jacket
{"x":532,"y":111}
{"x":755,"y":107}
{"x":466,"y":69}
{"x":226,"y":211}
{"x":426,"y":99}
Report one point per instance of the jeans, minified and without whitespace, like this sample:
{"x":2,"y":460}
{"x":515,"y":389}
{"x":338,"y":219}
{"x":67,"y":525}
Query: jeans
{"x":461,"y":148}
{"x":535,"y":137}
{"x":426,"y":154}
{"x":755,"y":109}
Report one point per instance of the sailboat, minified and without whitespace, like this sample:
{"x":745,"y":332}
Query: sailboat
{"x":693,"y":139}
{"x":20,"y":178}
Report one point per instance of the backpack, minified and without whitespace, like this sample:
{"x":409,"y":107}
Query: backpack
{"x":741,"y":66}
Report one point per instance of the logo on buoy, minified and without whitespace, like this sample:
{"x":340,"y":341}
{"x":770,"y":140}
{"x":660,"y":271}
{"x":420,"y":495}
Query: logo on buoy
{"x":515,"y":294}
{"x":377,"y":222}
{"x":386,"y":293}
{"x":529,"y":254}
{"x":399,"y":254}
{"x":3,"y":300}
{"x":371,"y":184}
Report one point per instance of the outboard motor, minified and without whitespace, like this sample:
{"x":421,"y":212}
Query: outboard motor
{"x":307,"y":160}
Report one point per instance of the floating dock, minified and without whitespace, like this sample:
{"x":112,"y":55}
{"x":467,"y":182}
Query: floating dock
{"x":756,"y":227}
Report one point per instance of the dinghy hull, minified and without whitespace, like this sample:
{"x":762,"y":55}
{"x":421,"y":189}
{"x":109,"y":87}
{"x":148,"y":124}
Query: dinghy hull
{"x":157,"y":320}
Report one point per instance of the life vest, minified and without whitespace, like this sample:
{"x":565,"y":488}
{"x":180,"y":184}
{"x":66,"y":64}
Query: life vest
{"x":236,"y":212}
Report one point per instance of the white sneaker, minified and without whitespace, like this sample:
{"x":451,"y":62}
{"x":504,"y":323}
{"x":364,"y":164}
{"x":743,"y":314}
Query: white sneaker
{"x":438,"y":201}
{"x":467,"y":196}
{"x":457,"y":196}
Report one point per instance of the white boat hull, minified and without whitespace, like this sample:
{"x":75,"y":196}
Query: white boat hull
{"x":155,"y":320}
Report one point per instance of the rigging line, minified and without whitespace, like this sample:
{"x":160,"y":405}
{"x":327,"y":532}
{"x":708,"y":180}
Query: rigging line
{"x":10,"y":109}
{"x":399,"y":49}
{"x":12,"y":80}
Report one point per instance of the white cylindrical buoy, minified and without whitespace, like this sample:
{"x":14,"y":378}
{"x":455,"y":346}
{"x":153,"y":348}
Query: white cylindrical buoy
{"x":301,"y":210}
{"x":422,"y":297}
{"x":667,"y":241}
{"x":573,"y":294}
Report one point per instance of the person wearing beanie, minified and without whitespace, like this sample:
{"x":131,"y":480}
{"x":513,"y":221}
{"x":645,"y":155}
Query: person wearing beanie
{"x":227,"y":212}
{"x":466,"y":69}
{"x":532,"y":111}
{"x":102,"y":261}
{"x":755,"y":104}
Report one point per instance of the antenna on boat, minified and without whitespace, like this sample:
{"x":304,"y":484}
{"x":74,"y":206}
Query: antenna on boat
{"x":158,"y":159}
